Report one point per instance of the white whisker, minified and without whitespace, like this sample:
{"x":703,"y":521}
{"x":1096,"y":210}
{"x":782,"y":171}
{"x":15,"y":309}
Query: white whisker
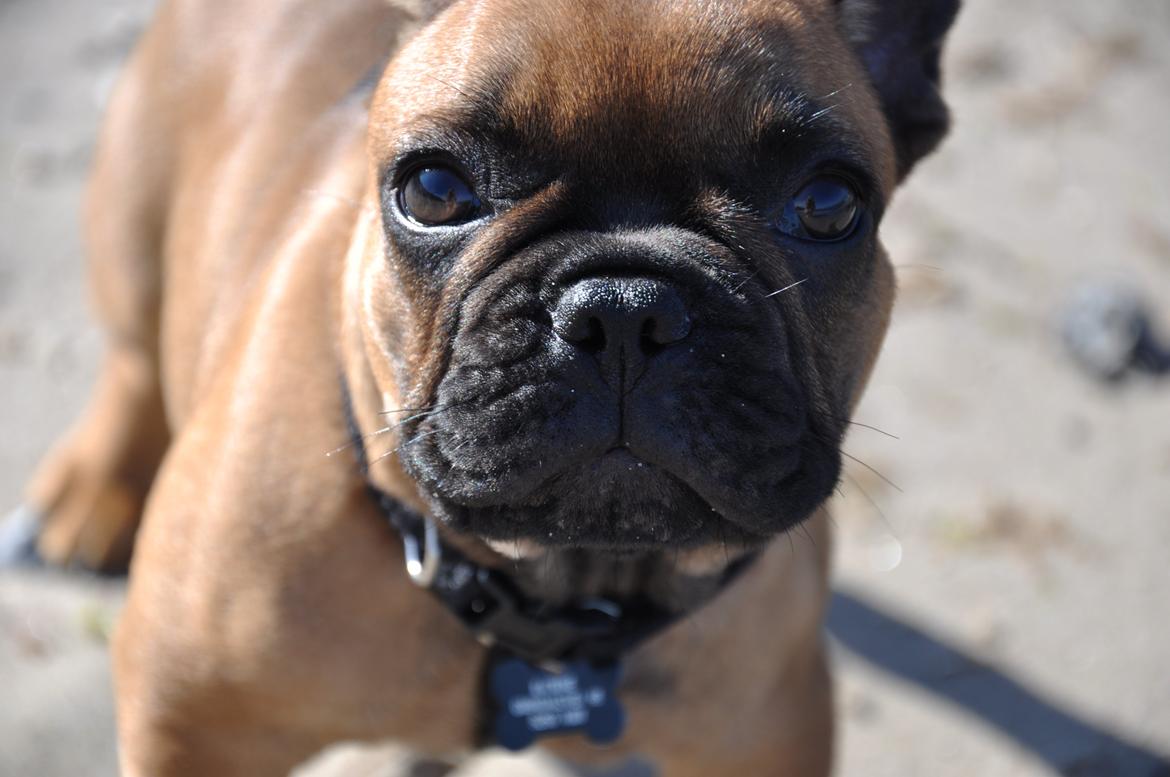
{"x":786,"y":288}
{"x":351,"y":443}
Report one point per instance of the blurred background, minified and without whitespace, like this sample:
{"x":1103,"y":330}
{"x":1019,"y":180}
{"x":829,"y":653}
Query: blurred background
{"x":1003,"y":602}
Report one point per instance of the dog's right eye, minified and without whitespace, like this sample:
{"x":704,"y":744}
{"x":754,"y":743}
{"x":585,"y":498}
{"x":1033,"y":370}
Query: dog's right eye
{"x":824,"y":210}
{"x":435,"y":195}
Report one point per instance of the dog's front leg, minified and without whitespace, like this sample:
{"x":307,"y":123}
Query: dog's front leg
{"x":152,"y":748}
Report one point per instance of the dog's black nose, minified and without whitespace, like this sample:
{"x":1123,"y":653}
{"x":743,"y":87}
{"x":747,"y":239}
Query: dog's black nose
{"x":621,"y":320}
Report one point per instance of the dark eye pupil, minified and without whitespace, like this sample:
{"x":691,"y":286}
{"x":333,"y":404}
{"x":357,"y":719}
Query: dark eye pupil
{"x":438,"y":195}
{"x":827,"y":208}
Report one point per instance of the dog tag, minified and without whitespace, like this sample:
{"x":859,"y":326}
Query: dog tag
{"x":532,"y":702}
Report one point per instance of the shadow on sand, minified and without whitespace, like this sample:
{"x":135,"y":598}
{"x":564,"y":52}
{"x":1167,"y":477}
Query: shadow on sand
{"x":1068,"y":744}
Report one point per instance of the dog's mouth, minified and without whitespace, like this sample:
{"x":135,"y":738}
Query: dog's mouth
{"x":617,"y":502}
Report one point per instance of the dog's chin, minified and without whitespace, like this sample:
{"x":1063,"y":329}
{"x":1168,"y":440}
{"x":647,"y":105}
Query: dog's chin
{"x":623,"y":506}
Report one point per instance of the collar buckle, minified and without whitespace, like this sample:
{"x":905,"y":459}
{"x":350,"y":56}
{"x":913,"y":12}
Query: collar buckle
{"x":537,"y":633}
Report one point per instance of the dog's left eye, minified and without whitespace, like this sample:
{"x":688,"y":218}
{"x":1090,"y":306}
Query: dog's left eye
{"x":437,"y":195}
{"x":825,"y":209}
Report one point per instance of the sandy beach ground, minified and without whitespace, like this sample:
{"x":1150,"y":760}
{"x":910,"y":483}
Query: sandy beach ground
{"x":1004,"y":611}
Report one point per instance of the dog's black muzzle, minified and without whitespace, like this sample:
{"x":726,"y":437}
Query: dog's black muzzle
{"x":621,"y":391}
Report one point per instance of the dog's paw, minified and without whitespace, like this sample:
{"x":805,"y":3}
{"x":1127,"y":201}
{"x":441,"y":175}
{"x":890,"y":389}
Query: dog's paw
{"x":18,"y":538}
{"x":83,"y":519}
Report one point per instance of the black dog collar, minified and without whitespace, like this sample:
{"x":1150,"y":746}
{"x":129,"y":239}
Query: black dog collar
{"x":595,"y":629}
{"x":552,"y":668}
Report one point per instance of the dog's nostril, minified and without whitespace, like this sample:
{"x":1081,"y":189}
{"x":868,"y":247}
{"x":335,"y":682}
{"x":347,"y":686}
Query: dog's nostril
{"x":647,"y":342}
{"x":594,"y":339}
{"x":668,"y":326}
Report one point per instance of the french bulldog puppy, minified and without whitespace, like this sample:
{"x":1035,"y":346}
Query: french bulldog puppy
{"x":585,"y":289}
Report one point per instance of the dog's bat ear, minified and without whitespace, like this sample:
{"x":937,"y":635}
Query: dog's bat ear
{"x":900,"y":44}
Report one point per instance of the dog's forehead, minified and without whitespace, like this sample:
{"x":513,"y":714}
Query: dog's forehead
{"x":659,"y":67}
{"x":644,"y":78}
